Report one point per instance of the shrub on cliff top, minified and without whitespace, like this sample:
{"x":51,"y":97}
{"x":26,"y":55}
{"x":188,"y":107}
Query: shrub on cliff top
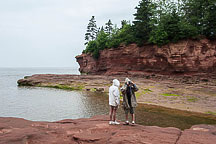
{"x":92,"y":47}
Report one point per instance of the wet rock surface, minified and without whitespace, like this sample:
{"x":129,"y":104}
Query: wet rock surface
{"x":97,"y":130}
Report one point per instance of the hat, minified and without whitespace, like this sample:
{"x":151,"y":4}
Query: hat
{"x":127,"y":80}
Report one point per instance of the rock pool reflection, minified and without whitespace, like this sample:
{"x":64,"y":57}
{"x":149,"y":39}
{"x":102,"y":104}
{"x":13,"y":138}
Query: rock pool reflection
{"x":97,"y":103}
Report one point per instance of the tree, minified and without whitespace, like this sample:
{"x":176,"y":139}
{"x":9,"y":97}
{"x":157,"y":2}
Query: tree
{"x":102,"y":39}
{"x":202,"y":15}
{"x":172,"y":25}
{"x":209,"y":29}
{"x":142,"y":22}
{"x":91,"y":30}
{"x":123,"y":23}
{"x":126,"y":34}
{"x":195,"y":11}
{"x":108,"y":27}
{"x":113,"y":39}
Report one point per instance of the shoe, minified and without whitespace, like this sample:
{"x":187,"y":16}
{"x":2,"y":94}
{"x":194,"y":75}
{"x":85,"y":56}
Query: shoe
{"x":111,"y":122}
{"x":116,"y":123}
{"x":133,"y":122}
{"x":126,"y":123}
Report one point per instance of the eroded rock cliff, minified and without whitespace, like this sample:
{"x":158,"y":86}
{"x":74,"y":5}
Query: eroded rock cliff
{"x":187,"y":56}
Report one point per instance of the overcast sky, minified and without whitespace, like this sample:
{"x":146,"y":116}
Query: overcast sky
{"x":50,"y":33}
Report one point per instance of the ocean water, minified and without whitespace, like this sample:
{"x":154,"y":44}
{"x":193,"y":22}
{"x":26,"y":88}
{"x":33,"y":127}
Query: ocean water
{"x":41,"y":104}
{"x":49,"y":104}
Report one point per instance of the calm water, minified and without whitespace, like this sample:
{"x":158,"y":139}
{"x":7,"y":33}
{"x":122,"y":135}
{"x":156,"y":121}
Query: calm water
{"x":47,"y":104}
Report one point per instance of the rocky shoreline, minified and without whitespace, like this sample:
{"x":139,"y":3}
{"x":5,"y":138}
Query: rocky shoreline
{"x":97,"y":130}
{"x":183,"y":92}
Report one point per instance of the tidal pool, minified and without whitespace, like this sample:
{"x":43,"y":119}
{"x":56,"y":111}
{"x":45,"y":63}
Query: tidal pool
{"x":152,"y":115}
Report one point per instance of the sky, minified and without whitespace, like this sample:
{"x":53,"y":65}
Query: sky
{"x":50,"y":33}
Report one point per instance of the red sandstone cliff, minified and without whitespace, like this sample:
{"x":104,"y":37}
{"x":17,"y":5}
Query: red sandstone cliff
{"x":184,"y":56}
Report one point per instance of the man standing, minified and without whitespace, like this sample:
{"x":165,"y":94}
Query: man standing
{"x":129,"y":99}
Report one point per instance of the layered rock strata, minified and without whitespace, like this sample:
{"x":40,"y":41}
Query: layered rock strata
{"x":187,"y":56}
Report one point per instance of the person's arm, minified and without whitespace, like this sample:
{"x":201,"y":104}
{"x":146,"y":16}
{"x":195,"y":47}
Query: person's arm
{"x":135,"y":88}
{"x":123,"y":90}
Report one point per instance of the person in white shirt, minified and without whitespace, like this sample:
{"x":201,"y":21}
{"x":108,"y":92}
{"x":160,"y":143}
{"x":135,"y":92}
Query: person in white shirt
{"x":114,"y":101}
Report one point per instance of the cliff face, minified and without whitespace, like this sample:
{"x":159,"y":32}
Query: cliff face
{"x":183,"y":57}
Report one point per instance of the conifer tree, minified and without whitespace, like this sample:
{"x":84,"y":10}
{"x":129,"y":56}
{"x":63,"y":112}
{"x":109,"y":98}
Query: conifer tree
{"x":143,"y":17}
{"x":210,"y":19}
{"x":108,"y":27}
{"x":91,"y":30}
{"x":124,"y":22}
{"x":202,"y":15}
{"x":101,"y":39}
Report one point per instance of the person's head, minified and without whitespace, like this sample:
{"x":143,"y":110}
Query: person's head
{"x":127,"y":81}
{"x":116,"y":83}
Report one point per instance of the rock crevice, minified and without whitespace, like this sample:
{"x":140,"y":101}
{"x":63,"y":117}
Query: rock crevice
{"x":179,"y":136}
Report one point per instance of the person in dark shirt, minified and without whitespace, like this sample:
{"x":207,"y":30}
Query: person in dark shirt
{"x":129,"y":99}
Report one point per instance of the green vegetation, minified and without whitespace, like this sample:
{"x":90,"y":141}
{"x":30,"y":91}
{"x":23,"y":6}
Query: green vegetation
{"x":142,"y":92}
{"x":93,"y":89}
{"x":110,"y":37}
{"x":147,"y":90}
{"x":65,"y":87}
{"x":192,"y":99}
{"x":210,"y":112}
{"x":138,"y":94}
{"x":169,"y":94}
{"x":155,"y":22}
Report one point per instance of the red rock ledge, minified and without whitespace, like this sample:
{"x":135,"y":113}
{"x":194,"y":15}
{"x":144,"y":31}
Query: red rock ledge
{"x":97,"y":130}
